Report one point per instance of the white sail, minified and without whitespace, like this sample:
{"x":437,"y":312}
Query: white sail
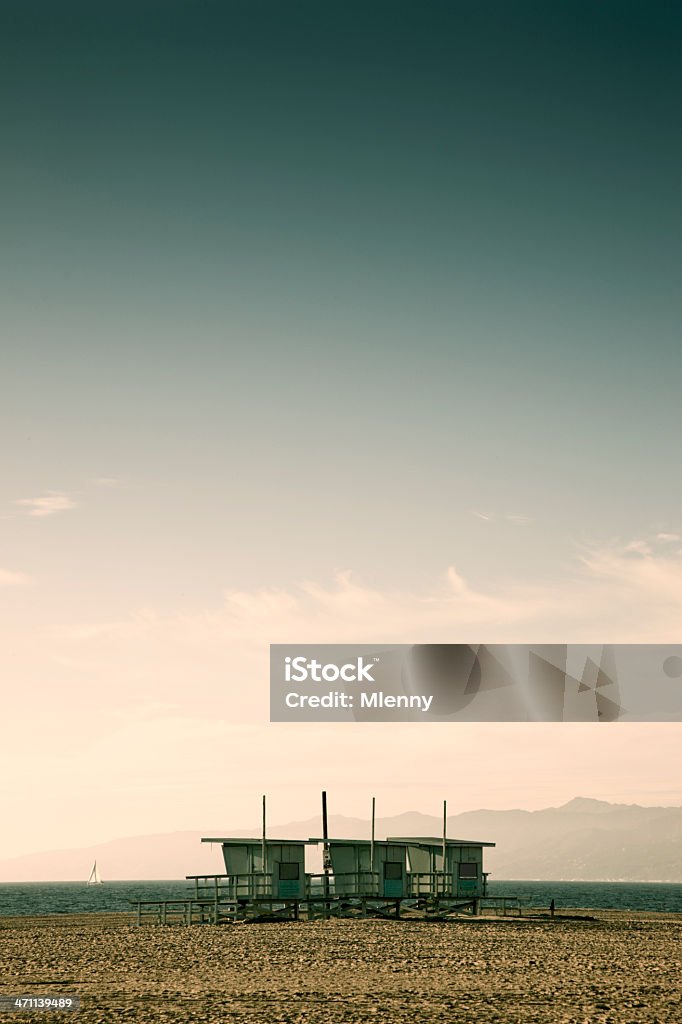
{"x":94,"y":878}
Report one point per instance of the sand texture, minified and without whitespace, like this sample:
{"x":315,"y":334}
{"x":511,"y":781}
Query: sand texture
{"x":618,"y":967}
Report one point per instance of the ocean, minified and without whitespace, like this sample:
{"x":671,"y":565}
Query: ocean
{"x":75,"y":897}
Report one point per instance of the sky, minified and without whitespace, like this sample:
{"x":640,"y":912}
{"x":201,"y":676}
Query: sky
{"x":346,"y":322}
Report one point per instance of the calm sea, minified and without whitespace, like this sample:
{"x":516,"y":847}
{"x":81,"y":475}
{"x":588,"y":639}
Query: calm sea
{"x":75,"y":897}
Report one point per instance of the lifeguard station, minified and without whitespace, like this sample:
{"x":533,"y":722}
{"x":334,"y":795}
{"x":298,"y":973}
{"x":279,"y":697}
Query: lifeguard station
{"x":267,"y":869}
{"x":264,"y":878}
{"x":268,"y":879}
{"x":450,"y":869}
{"x":361,"y":867}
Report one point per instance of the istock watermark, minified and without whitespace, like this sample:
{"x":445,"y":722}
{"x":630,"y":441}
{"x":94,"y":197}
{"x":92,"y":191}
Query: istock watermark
{"x":299,"y":670}
{"x":476,"y":682}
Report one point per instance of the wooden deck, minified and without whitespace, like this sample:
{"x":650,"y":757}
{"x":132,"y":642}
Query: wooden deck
{"x":221,"y":910}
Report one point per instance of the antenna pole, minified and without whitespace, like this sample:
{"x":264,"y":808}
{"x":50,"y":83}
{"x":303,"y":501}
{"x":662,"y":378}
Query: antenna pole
{"x":263,"y":839}
{"x":325,"y":854}
{"x":371,"y":849}
{"x":445,"y":835}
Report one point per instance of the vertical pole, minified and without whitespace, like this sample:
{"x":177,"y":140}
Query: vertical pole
{"x":371,"y":849}
{"x":325,"y":853}
{"x":262,"y":847}
{"x":445,"y":833}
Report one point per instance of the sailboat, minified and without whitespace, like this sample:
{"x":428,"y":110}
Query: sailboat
{"x":94,"y":878}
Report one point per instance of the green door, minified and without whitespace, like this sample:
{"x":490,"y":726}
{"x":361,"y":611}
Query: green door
{"x":394,"y":878}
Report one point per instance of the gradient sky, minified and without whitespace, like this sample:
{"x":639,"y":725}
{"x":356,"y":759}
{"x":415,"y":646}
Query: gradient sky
{"x":290,"y":289}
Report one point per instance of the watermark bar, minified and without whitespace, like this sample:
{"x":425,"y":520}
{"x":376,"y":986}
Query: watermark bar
{"x":475,"y":683}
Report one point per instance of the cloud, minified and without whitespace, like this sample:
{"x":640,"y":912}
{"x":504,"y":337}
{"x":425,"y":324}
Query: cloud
{"x":668,"y":538}
{"x":653,"y":578}
{"x":107,"y":481}
{"x":625,"y":592}
{"x":13,"y":579}
{"x":638,"y":547}
{"x":514,"y":518}
{"x":47,"y":504}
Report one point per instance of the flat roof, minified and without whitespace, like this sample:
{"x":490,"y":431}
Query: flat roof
{"x":357,"y":842}
{"x":434,"y":841}
{"x":429,"y":841}
{"x":259,"y":842}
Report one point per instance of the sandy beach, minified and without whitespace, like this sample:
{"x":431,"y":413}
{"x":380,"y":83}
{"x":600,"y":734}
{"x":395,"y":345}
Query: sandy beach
{"x":618,"y":967}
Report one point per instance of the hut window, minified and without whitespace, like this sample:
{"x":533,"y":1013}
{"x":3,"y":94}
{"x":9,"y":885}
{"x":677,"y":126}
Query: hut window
{"x":288,"y":872}
{"x":393,"y":870}
{"x":468,"y":871}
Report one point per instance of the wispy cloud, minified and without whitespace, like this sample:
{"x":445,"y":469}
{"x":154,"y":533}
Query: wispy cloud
{"x":648,"y":575}
{"x":8,"y":578}
{"x":516,"y":519}
{"x":614,"y":593}
{"x":47,"y":504}
{"x":107,"y":481}
{"x":638,"y":547}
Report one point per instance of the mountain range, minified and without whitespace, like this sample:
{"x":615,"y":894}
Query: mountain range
{"x":585,"y":840}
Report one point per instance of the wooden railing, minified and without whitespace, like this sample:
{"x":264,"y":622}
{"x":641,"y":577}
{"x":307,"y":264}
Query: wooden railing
{"x":257,"y":885}
{"x":252,"y":885}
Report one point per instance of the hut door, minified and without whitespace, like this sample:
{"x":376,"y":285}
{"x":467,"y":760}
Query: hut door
{"x":468,"y":879}
{"x":393,"y":878}
{"x":289,"y":881}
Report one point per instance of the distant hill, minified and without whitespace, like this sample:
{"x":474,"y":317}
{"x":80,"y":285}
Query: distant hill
{"x":586,"y":840}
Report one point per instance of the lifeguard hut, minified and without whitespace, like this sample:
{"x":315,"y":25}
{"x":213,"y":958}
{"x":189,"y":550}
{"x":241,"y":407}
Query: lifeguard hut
{"x":263,"y":868}
{"x":362,"y":867}
{"x":451,"y":868}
